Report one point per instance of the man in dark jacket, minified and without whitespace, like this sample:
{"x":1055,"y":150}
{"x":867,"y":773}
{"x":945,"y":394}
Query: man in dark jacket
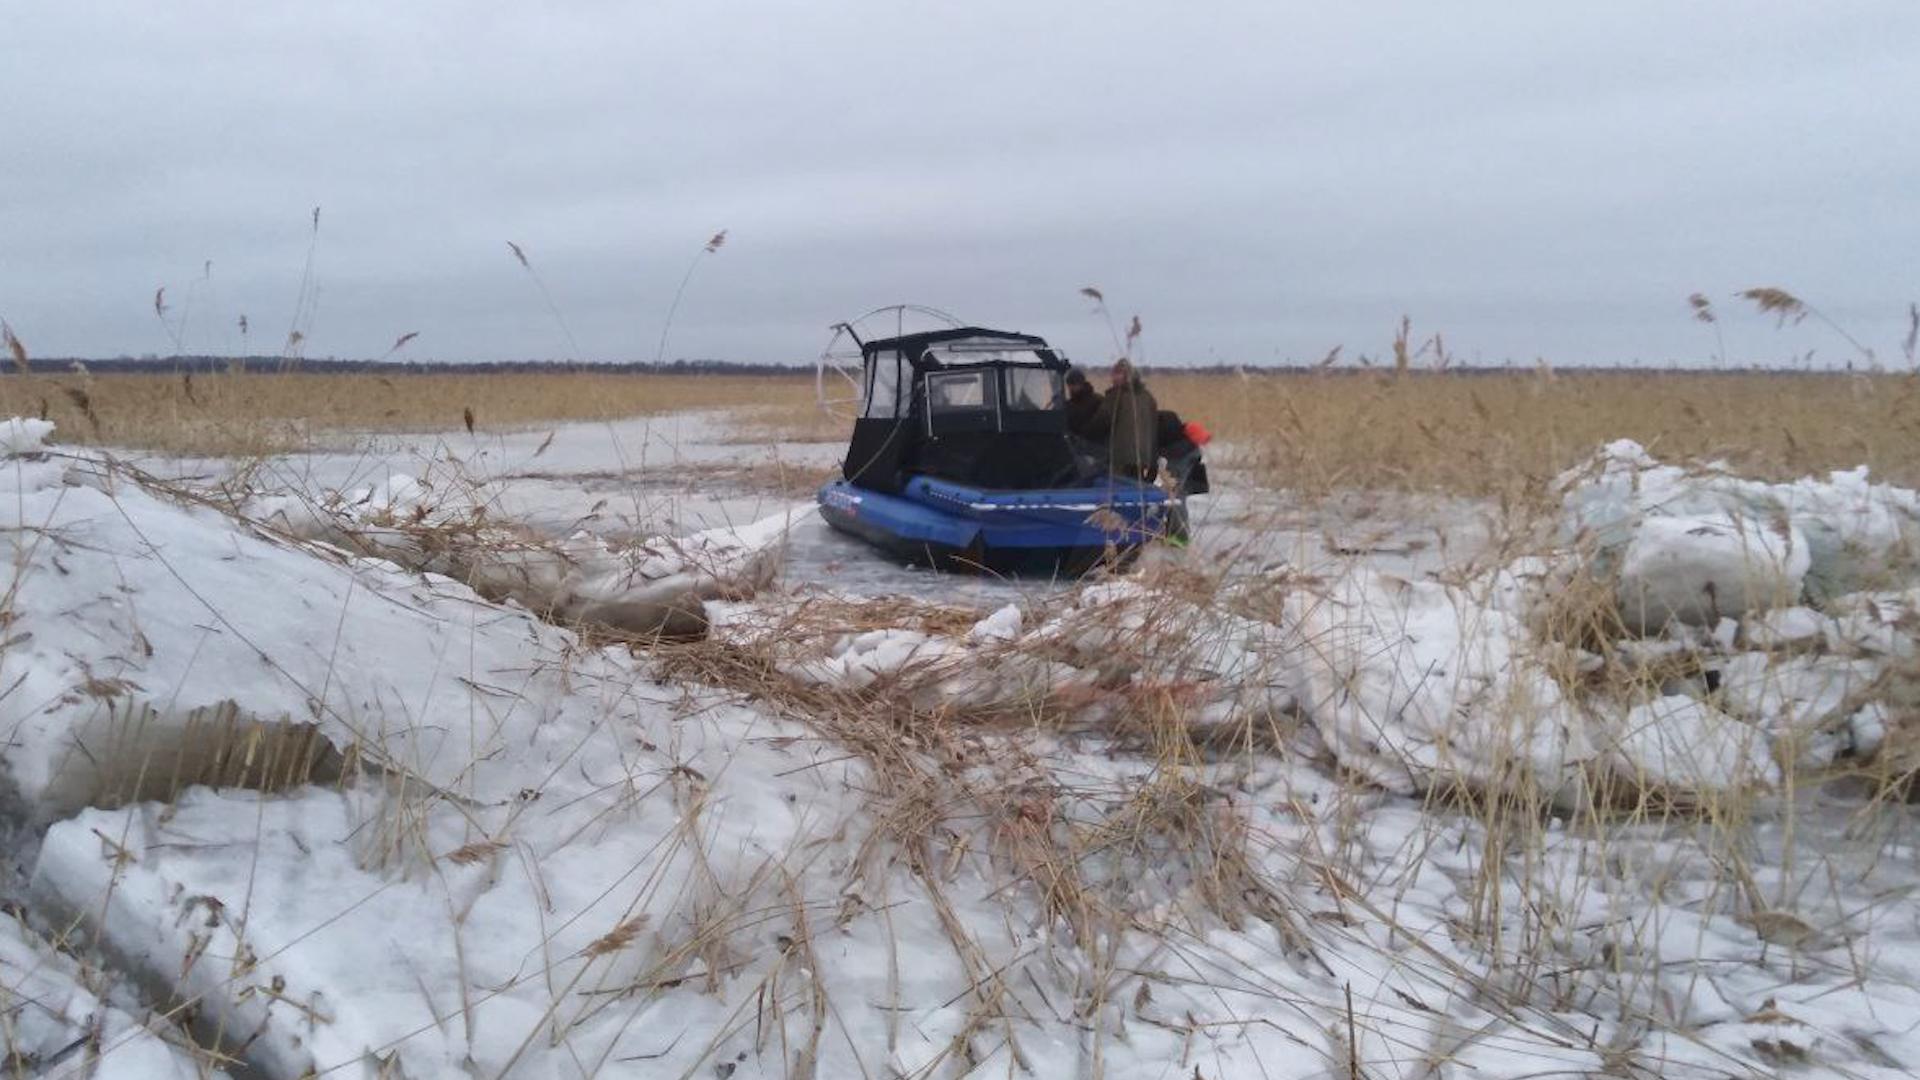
{"x":1127,"y":419}
{"x":1083,"y":401}
{"x":1089,"y":453}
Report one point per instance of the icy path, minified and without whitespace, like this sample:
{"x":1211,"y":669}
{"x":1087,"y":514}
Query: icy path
{"x":684,"y":472}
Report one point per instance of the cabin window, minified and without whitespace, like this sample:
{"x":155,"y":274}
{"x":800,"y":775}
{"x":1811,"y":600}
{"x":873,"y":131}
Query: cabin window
{"x":970,"y":351}
{"x":1032,"y":389}
{"x":883,"y":387}
{"x":957,"y":391}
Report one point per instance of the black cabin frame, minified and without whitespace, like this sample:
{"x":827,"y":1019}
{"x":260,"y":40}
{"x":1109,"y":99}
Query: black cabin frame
{"x":976,"y":406}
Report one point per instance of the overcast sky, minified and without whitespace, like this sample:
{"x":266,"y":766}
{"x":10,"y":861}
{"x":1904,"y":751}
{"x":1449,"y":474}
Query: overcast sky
{"x":1256,"y":180}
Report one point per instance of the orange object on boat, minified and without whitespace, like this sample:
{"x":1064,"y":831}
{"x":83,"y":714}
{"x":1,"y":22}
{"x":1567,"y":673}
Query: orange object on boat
{"x":1198,"y":435}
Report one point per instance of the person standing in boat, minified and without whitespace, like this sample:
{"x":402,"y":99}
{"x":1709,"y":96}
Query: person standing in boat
{"x":1083,"y":401}
{"x":1089,"y":453}
{"x":1128,"y":419}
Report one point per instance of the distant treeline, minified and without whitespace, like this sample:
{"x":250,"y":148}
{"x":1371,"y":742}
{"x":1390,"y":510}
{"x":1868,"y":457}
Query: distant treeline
{"x":330,"y":366}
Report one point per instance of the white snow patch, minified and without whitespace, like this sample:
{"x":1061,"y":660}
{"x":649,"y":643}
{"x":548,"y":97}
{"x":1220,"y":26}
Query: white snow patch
{"x":655,"y":584}
{"x":1416,"y":683}
{"x":1867,"y":728}
{"x":560,"y":866}
{"x":1800,"y":701}
{"x":58,"y":1018}
{"x":19,"y":436}
{"x":1682,"y":744}
{"x":1698,"y":569}
{"x":1785,"y":628}
{"x":1856,"y":533}
{"x":138,"y":622}
{"x":1002,"y":625}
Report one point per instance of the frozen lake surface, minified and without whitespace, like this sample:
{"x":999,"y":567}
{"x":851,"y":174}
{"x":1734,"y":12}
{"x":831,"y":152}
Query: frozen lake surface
{"x":684,"y":472}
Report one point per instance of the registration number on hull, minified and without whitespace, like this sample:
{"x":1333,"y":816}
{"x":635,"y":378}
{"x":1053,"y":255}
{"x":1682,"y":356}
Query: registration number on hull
{"x":842,"y":500}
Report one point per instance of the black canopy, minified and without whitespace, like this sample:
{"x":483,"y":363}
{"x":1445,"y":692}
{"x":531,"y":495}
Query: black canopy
{"x":921,"y":350}
{"x":969,"y":404}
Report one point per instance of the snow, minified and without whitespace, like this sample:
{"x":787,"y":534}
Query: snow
{"x":1786,"y":628}
{"x":1857,"y":534}
{"x":527,"y":854}
{"x":1801,"y":702}
{"x":1874,"y":624}
{"x":1796,"y":690}
{"x":1002,"y":625}
{"x":644,"y":586}
{"x":324,"y":931}
{"x":1867,"y":728}
{"x":59,"y":1018}
{"x":1680,"y":743}
{"x":1413,"y":683}
{"x":20,"y":436}
{"x":492,"y":963}
{"x":1410,"y":685}
{"x":1698,"y":569}
{"x":137,"y":619}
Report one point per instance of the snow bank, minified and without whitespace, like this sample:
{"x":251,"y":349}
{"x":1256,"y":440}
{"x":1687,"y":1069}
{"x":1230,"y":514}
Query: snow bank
{"x":981,"y":667}
{"x":1818,"y":573}
{"x":1419,"y":684}
{"x":20,"y":436}
{"x":647,"y":874}
{"x":1410,"y":685}
{"x":1698,"y":570}
{"x":1804,"y":703}
{"x":1678,"y":743}
{"x":1786,"y":628}
{"x":152,"y":645}
{"x":653,"y":586}
{"x":56,"y":1019}
{"x":1857,"y":533}
{"x":1416,"y":685}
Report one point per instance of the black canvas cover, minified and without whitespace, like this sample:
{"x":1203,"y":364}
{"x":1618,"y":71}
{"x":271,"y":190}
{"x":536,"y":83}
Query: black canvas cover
{"x":972,"y":405}
{"x":917,"y":347}
{"x":876,"y":459}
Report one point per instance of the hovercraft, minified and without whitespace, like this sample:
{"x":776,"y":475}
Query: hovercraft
{"x":960,"y":460}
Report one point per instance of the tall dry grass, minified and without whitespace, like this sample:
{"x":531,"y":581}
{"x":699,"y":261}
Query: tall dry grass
{"x":1471,"y":434}
{"x":244,"y":414}
{"x":1483,"y":434}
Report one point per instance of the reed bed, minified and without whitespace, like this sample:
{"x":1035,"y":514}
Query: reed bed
{"x":253,"y":413}
{"x":1488,"y":434}
{"x":1479,"y":434}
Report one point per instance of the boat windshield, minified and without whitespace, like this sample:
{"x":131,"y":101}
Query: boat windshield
{"x":958,"y":391}
{"x":970,"y":351}
{"x":1033,"y":389}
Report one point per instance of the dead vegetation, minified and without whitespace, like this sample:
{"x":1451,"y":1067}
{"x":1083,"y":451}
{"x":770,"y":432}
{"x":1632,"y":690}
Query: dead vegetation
{"x":1504,"y":434}
{"x":1480,"y":434}
{"x":240,"y":414}
{"x":1158,"y":841}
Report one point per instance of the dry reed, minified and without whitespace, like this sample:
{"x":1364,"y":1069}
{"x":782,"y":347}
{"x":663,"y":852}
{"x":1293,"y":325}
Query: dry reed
{"x":1487,"y":435}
